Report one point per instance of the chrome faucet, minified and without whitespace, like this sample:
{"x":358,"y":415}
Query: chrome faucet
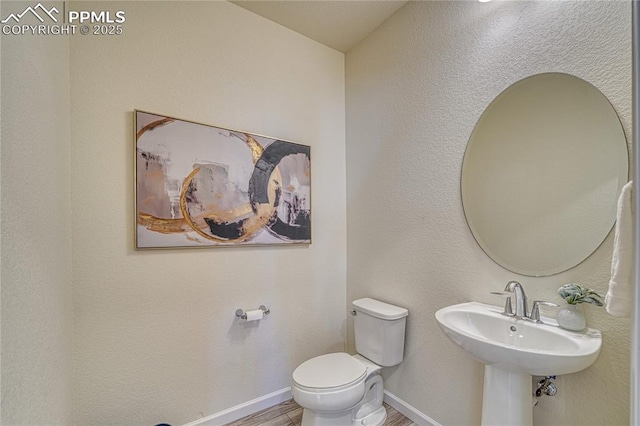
{"x":521,"y":303}
{"x":521,"y":298}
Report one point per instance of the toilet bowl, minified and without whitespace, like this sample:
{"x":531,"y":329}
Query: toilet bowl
{"x":339,"y":389}
{"x":331,"y":387}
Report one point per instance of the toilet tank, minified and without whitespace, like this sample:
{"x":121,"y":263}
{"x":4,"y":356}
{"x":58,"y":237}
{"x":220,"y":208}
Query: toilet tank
{"x":379,"y":330}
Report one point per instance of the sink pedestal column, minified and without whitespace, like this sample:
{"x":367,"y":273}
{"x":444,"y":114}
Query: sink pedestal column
{"x":506,"y":398}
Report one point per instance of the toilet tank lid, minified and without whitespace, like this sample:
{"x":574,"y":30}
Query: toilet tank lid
{"x":379,"y":309}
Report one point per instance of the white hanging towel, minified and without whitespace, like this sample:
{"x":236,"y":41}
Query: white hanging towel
{"x":618,"y":298}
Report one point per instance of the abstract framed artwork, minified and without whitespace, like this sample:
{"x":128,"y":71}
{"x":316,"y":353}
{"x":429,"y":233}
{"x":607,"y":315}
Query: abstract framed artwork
{"x":198,"y":185}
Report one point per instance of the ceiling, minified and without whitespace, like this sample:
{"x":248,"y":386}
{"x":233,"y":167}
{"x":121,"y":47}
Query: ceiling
{"x":339,"y":24}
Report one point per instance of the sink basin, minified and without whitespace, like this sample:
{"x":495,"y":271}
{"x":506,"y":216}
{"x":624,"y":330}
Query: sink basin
{"x":518,"y":345}
{"x":513,"y":350}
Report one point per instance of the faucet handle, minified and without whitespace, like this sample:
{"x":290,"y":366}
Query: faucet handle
{"x":508,"y":310}
{"x":535,"y":310}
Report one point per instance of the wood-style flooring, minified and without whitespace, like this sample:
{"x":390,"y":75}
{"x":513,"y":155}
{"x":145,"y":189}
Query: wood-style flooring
{"x":290,"y":414}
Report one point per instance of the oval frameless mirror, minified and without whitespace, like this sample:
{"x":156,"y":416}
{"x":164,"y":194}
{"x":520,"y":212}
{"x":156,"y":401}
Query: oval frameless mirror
{"x":542,"y":172}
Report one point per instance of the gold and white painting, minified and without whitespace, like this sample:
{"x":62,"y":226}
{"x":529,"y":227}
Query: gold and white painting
{"x":200,"y":186}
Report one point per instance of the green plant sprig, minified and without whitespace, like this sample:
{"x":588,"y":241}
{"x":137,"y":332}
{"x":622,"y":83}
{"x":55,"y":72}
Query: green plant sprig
{"x":574,"y":294}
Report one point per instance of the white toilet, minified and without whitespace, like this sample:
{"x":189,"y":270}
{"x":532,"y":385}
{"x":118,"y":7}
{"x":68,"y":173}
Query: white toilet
{"x":346,"y":390}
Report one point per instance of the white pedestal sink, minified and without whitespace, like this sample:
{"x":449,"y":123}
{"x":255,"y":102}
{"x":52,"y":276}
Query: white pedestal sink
{"x":513,"y":350}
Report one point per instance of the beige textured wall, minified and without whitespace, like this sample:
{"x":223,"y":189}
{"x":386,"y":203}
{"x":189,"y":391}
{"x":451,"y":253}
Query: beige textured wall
{"x":36,"y":229}
{"x":415,"y":88}
{"x":156,"y":338}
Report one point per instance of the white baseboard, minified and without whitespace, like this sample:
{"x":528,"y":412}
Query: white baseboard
{"x":409,"y":411}
{"x":242,"y":410}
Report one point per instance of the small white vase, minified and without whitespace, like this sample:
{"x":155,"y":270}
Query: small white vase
{"x":571,"y":318}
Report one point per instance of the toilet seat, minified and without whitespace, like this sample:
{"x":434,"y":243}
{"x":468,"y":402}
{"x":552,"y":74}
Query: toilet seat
{"x":329,"y":372}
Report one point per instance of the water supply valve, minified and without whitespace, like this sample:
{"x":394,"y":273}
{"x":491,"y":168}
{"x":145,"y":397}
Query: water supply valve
{"x":546,"y":387}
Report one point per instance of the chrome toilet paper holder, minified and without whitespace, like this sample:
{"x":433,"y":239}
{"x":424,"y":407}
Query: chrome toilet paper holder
{"x":240,"y":313}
